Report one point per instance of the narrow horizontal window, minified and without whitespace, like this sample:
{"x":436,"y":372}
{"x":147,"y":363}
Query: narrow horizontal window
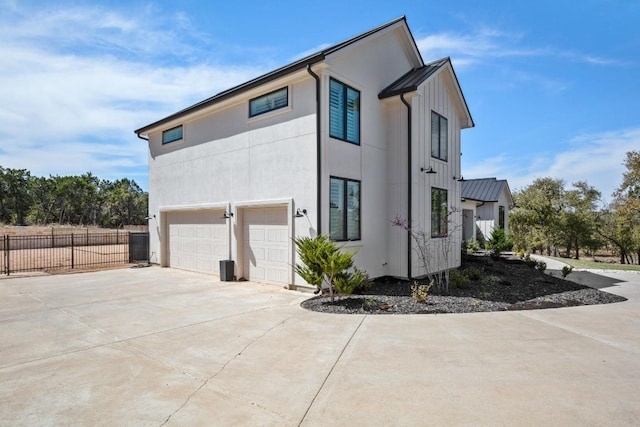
{"x":269,"y":102}
{"x":171,"y":135}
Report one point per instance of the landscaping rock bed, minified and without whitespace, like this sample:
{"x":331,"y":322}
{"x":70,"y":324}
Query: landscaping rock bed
{"x":505,"y":284}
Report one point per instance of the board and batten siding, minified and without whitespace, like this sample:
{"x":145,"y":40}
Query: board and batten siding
{"x":435,"y":95}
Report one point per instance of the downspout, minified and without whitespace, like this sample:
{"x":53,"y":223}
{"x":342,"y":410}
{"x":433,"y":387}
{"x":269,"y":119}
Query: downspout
{"x":142,"y":137}
{"x":409,"y":205}
{"x":318,"y":150}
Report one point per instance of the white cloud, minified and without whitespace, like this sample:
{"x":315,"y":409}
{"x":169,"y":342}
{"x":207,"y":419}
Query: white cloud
{"x":77,"y":82}
{"x":487,"y":44}
{"x":596,"y":158}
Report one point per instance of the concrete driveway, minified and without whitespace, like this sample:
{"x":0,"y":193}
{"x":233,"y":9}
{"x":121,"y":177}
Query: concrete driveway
{"x":157,"y":347}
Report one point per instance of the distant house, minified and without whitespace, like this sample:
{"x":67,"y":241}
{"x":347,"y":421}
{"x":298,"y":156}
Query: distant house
{"x":485,"y":206}
{"x":337,"y":143}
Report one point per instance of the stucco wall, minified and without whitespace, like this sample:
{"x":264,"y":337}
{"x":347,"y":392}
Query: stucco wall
{"x":226,"y":157}
{"x":369,"y":66}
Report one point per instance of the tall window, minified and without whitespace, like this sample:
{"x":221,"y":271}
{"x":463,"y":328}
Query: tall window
{"x":439,"y":212}
{"x":269,"y":102}
{"x":171,"y":135}
{"x":344,"y":112}
{"x":501,"y":217}
{"x":344,"y":209}
{"x":439,"y":140}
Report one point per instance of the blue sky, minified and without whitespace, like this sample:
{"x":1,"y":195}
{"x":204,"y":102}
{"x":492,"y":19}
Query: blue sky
{"x":553,"y":87}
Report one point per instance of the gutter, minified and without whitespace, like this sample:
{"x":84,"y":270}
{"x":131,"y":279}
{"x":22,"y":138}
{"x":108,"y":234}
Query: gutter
{"x":142,"y":137}
{"x":318,"y":150}
{"x":409,"y":204}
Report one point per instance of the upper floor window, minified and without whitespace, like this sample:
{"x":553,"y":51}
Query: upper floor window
{"x":439,"y":212}
{"x":344,"y":112}
{"x":344,"y":209}
{"x":171,"y":135}
{"x":439,"y":140}
{"x":269,"y":102}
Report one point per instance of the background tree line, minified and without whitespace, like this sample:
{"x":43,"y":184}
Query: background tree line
{"x":550,"y":217}
{"x":79,"y":200}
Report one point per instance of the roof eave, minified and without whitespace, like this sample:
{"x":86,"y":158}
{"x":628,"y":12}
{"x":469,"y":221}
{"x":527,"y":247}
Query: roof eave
{"x":273,"y":75}
{"x":234,"y":91}
{"x":470,"y":122}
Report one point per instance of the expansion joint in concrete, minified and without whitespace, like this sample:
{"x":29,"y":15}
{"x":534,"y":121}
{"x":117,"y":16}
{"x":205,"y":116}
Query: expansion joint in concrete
{"x":331,"y":370}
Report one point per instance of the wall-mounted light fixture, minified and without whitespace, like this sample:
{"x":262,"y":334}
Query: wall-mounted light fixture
{"x":227,"y":215}
{"x":430,"y":170}
{"x":300,"y":213}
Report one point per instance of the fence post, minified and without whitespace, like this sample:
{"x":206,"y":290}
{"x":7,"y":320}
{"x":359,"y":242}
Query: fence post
{"x":7,"y":250}
{"x":72,"y":252}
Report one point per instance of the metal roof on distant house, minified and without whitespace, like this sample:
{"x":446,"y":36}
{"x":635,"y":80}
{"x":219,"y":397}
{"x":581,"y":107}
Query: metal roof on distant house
{"x":485,"y":189}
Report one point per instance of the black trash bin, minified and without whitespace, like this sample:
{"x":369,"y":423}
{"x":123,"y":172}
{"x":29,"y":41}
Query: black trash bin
{"x":226,"y":270}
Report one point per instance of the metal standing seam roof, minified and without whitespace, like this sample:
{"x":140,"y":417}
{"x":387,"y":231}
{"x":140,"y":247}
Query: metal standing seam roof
{"x":484,"y":190}
{"x":414,"y":78}
{"x":275,"y":74}
{"x":410,"y":81}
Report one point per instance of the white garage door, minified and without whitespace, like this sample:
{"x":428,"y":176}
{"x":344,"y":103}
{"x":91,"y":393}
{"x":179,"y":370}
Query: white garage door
{"x":198,"y":240}
{"x":266,"y":245}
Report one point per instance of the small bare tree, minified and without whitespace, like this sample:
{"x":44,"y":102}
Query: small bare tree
{"x":434,"y":252}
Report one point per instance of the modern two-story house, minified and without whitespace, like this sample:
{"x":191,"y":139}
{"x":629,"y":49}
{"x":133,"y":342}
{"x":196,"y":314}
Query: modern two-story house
{"x":338,"y":143}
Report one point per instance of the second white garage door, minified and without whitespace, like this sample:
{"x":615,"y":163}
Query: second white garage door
{"x":198,"y":240}
{"x":266,"y":245}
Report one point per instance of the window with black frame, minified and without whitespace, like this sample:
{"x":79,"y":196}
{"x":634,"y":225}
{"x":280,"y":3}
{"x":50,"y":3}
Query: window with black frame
{"x":344,"y":209}
{"x":439,"y":212}
{"x":344,"y":112}
{"x":269,"y":102}
{"x":172,"y":135}
{"x":439,"y":137}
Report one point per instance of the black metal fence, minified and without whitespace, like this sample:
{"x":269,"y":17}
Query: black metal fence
{"x":71,"y":251}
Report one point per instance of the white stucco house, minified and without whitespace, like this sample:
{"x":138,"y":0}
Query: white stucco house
{"x":486,"y":204}
{"x":340,"y":142}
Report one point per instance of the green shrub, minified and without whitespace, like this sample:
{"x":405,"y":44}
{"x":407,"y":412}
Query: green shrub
{"x":370,"y":304}
{"x":499,"y":242}
{"x":473,"y":273}
{"x":457,"y":279}
{"x":530,"y":262}
{"x":472,"y":246}
{"x":351,"y":282}
{"x":541,"y":266}
{"x":566,"y":270}
{"x":325,"y":262}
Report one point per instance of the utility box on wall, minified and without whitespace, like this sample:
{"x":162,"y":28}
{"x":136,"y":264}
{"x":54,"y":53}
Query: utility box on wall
{"x":226,"y":270}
